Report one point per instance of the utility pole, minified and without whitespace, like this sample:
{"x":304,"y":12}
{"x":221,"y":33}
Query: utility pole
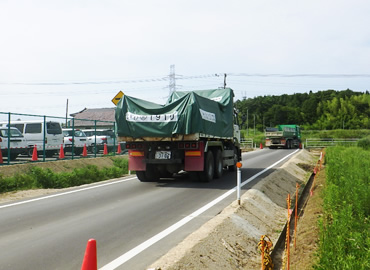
{"x":247,"y":123}
{"x":254,"y":124}
{"x":67,"y":113}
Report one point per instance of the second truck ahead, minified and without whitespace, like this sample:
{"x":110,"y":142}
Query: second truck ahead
{"x":194,"y":132}
{"x":286,"y":136}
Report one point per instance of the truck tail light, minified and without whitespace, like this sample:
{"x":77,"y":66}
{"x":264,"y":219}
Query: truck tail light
{"x":188,"y":145}
{"x":193,"y":153}
{"x":134,"y":146}
{"x":136,"y":153}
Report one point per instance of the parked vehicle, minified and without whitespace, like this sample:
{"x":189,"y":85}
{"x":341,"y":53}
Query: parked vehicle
{"x":286,"y":136}
{"x":196,"y":132}
{"x":12,"y":140}
{"x":38,"y":133}
{"x":99,"y":137}
{"x":75,"y":139}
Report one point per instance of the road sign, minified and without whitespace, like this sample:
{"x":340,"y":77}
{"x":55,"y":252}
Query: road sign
{"x":117,"y":97}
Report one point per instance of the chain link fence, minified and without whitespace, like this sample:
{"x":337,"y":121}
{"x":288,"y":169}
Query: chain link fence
{"x":29,"y":138}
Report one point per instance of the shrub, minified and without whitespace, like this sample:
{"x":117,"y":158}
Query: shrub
{"x":364,"y":143}
{"x":46,"y":178}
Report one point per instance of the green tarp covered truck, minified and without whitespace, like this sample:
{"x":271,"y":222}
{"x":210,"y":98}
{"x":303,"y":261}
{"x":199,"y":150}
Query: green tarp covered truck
{"x":286,"y":136}
{"x":194,"y":132}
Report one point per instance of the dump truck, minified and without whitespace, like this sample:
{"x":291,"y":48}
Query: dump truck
{"x":285,"y":136}
{"x":195,"y":132}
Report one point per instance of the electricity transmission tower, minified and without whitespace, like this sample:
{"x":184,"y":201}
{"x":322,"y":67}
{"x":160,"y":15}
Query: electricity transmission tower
{"x":172,"y":77}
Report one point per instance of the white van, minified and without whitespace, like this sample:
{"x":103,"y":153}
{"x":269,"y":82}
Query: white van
{"x":17,"y":142}
{"x":33,"y":131}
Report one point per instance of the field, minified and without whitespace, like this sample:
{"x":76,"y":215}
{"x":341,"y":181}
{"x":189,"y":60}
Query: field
{"x":344,"y":229}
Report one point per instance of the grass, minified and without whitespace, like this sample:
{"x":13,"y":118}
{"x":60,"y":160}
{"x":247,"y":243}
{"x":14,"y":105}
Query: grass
{"x":38,"y":177}
{"x":344,"y":229}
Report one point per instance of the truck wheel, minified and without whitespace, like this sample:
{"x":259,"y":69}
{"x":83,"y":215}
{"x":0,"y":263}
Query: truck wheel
{"x":207,"y":174}
{"x":287,"y":144}
{"x":218,"y":164}
{"x":141,"y":176}
{"x":151,"y":174}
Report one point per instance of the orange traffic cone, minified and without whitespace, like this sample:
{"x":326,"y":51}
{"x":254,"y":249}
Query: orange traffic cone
{"x":1,"y":157}
{"x":119,"y":150}
{"x":261,"y":146}
{"x":90,"y":261}
{"x":84,"y":151}
{"x":61,"y":152}
{"x":34,"y":153}
{"x":105,"y":149}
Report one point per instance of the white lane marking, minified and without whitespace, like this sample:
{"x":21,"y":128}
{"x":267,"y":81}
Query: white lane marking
{"x":151,"y":241}
{"x":66,"y":193}
{"x":268,"y":168}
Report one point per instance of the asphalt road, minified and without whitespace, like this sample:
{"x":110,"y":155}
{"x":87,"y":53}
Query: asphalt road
{"x":131,"y":221}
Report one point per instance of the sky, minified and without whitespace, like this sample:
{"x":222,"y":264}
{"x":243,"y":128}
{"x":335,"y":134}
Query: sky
{"x":86,"y":51}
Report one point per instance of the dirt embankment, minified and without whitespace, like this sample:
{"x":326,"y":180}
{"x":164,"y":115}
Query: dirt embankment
{"x":230,"y":240}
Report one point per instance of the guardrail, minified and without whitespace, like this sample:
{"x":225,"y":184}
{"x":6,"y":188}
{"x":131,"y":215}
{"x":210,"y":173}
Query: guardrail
{"x":246,"y":143}
{"x":327,"y":142}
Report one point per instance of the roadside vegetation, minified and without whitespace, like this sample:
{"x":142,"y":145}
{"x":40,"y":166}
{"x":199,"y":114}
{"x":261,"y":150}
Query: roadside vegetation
{"x":344,"y":228}
{"x":322,"y":110}
{"x":363,"y":134}
{"x":38,"y":177}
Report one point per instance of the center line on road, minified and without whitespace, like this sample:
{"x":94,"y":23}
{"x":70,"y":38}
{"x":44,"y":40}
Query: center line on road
{"x":151,"y":241}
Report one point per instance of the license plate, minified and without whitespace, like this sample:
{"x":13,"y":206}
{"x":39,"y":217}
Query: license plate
{"x":163,"y":155}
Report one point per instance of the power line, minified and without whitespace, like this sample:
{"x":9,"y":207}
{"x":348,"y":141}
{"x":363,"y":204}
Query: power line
{"x":301,"y":75}
{"x":169,"y":78}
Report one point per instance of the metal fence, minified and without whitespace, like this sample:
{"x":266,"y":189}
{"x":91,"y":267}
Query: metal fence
{"x":246,"y":143}
{"x":25,"y":138}
{"x":320,"y":143}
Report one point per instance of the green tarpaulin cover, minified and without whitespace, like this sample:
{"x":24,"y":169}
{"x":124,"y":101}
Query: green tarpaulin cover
{"x":208,"y":112}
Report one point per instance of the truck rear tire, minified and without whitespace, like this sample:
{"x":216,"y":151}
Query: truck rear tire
{"x":207,"y":174}
{"x":218,"y":164}
{"x":151,"y":174}
{"x":141,"y":176}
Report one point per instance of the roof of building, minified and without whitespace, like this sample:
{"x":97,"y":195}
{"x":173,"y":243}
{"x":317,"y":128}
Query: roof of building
{"x":99,"y":114}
